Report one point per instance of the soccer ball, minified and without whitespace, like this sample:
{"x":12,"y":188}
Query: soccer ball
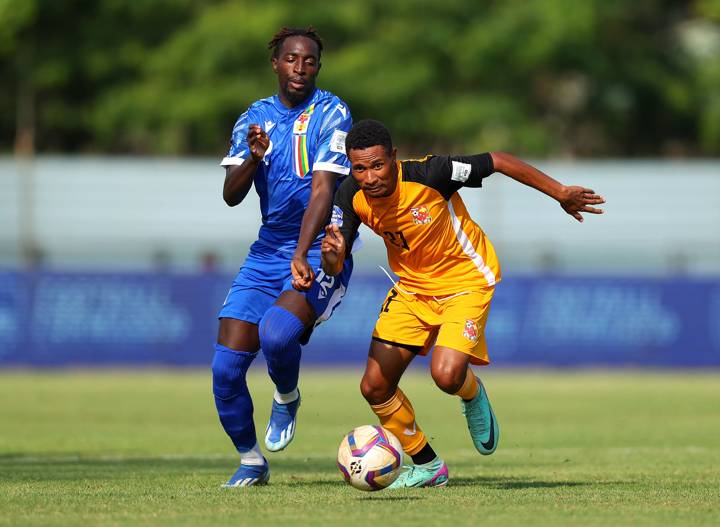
{"x":370,"y":457}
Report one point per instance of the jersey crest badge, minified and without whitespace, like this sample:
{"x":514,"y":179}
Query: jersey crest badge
{"x":421,"y":215}
{"x":471,"y":331}
{"x":301,"y":123}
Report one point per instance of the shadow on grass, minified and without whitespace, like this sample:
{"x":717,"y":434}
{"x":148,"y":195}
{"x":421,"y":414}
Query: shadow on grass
{"x":290,"y":472}
{"x":59,"y":466}
{"x":169,"y":460}
{"x":385,"y":497}
{"x":514,"y":483}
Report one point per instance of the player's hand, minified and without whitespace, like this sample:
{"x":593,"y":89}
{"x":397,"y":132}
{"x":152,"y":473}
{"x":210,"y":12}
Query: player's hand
{"x":332,"y":247}
{"x":258,"y":141}
{"x":303,"y":274}
{"x":575,"y":200}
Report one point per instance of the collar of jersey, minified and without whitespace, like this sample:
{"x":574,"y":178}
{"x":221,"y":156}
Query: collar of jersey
{"x":280,"y":107}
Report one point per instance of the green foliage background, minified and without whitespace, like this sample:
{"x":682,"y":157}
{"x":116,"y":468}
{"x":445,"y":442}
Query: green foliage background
{"x":536,"y":77}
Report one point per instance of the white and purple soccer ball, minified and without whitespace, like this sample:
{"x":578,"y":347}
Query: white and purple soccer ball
{"x":370,"y":457}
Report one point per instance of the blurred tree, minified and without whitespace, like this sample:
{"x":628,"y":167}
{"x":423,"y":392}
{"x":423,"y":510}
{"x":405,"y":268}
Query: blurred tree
{"x":57,"y":58}
{"x":537,"y":77}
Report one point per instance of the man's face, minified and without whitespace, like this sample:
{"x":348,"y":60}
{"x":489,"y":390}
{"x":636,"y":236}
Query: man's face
{"x":375,"y":170}
{"x":297,"y":66}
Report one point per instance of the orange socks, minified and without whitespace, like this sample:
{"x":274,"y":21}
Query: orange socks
{"x":469,"y":388}
{"x":398,"y":416}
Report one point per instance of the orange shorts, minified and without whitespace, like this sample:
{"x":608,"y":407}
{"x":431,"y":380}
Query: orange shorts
{"x":421,"y":322}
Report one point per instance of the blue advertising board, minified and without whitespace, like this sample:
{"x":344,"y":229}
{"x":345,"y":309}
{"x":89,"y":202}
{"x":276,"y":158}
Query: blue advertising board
{"x":84,"y":319}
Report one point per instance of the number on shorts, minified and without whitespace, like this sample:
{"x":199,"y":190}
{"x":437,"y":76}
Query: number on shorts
{"x":386,"y":306}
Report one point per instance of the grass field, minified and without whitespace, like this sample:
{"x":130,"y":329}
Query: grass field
{"x":145,"y":448}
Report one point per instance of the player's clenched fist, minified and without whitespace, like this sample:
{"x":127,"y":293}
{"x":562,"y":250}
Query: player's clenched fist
{"x":333,"y":250}
{"x":303,"y":274}
{"x":258,"y":141}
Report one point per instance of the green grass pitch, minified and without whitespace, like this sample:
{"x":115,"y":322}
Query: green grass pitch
{"x":145,"y":448}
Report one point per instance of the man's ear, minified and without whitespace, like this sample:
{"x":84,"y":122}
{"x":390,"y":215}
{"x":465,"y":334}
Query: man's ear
{"x":273,"y":62}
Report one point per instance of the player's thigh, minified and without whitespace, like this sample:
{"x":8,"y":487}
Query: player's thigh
{"x":326,"y":292}
{"x":238,"y":335}
{"x":463,"y":325}
{"x":385,"y":366}
{"x":402,"y":321}
{"x":255,"y":288}
{"x":295,"y":303}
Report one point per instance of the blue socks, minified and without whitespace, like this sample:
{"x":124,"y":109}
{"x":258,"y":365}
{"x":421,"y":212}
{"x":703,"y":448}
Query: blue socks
{"x":232,"y":397}
{"x":280,"y":332}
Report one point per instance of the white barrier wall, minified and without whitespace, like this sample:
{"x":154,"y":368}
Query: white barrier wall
{"x":662,"y":217}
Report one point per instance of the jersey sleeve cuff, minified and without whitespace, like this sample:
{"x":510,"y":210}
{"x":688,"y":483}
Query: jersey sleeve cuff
{"x":231,"y":161}
{"x":331,"y":167}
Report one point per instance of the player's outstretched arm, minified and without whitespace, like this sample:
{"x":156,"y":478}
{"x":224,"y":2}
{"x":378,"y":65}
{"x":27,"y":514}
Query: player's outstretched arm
{"x":573,"y":199}
{"x":323,"y":187}
{"x":332,"y":250}
{"x":239,"y":178}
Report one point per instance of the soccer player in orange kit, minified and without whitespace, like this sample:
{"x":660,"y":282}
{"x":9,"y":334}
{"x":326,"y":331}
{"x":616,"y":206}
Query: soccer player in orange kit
{"x":447,"y":268}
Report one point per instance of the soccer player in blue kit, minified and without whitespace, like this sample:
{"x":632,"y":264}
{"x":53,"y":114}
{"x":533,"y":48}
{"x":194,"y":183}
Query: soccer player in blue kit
{"x":292,"y":147}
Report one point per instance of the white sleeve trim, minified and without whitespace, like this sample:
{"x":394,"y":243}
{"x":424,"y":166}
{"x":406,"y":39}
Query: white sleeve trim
{"x":331,"y":167}
{"x":230,"y":161}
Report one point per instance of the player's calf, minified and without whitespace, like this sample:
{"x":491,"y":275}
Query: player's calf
{"x":232,"y":398}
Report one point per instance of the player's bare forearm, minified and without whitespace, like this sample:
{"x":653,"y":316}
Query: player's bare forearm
{"x":238,"y":181}
{"x":332,"y":251}
{"x":573,"y":199}
{"x":323,"y":185}
{"x":316,"y":214}
{"x":520,"y":171}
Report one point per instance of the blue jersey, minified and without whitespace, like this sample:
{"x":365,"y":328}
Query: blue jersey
{"x":308,"y":137}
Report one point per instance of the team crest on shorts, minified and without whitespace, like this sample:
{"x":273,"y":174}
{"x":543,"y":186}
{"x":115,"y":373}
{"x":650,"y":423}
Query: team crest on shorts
{"x":421,"y":215}
{"x":471,"y":331}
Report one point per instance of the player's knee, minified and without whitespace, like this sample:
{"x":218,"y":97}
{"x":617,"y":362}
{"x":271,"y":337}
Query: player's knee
{"x":376,"y":390}
{"x":447,"y":378}
{"x":279,"y":329}
{"x":229,"y":368}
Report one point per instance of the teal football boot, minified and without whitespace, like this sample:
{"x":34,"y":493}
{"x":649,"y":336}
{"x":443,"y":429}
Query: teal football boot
{"x":481,"y":422}
{"x":433,"y":474}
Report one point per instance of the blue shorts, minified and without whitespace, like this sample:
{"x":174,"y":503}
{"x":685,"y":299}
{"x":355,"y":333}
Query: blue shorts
{"x":266,"y":274}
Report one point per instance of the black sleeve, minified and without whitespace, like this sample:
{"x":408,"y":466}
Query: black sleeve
{"x":343,"y":212}
{"x":448,"y":174}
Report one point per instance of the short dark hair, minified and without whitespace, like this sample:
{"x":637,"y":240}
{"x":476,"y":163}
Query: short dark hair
{"x":366,"y":134}
{"x":309,"y":32}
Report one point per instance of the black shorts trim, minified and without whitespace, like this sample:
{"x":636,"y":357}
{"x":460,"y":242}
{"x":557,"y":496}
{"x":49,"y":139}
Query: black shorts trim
{"x":409,"y":347}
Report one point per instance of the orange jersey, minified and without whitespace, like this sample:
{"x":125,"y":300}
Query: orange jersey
{"x":432,"y":243}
